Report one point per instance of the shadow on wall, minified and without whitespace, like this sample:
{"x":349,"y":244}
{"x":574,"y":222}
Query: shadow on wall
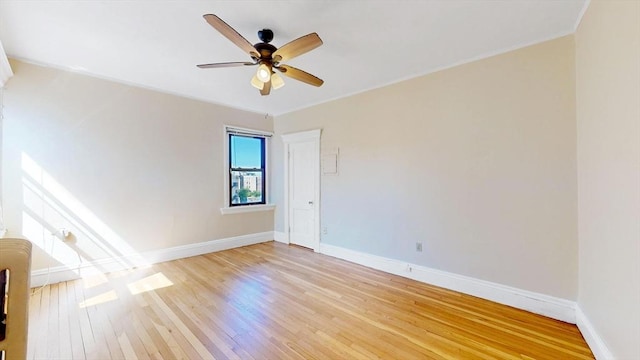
{"x":48,"y":208}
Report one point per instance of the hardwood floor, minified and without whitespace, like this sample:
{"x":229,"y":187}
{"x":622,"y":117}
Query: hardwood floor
{"x":273,"y":301}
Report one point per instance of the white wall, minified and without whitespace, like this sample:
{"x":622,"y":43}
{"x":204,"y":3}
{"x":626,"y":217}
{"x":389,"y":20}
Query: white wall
{"x":477,"y":162}
{"x":608,"y":123}
{"x":125,"y":169}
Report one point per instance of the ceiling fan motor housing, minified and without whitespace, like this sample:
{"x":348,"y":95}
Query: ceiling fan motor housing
{"x":265,"y":50}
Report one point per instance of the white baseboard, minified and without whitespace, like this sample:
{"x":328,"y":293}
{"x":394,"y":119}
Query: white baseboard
{"x":64,"y":273}
{"x":553,"y":307}
{"x":281,"y":236}
{"x":595,"y":342}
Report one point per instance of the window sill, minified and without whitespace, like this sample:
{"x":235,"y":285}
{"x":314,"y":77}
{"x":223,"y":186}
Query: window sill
{"x":246,"y":209}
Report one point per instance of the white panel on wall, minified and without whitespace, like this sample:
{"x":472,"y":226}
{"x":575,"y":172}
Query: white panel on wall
{"x":329,"y":161}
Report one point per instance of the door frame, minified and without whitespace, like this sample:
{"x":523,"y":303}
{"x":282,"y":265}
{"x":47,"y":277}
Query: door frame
{"x":304,"y":136}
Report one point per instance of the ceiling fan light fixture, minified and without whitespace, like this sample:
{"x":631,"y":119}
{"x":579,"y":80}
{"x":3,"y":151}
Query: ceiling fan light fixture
{"x":266,"y":56}
{"x":256,"y":83}
{"x":276,"y":81}
{"x":264,"y":73}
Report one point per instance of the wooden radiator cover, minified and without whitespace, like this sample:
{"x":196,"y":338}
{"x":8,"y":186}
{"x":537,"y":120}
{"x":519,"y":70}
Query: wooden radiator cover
{"x":15,"y":255}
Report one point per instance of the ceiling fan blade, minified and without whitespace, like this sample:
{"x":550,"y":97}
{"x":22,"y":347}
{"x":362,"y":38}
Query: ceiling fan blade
{"x":266,"y":89}
{"x":231,"y":34}
{"x":297,"y":47}
{"x":225,"y":64}
{"x":300,"y":75}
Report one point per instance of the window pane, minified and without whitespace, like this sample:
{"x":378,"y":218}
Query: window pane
{"x":246,"y":152}
{"x":246,"y":187}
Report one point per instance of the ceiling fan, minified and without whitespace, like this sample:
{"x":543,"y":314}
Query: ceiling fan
{"x":267,"y":57}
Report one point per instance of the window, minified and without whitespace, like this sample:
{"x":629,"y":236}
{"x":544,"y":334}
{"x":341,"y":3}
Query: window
{"x":246,"y":171}
{"x":247,"y":168}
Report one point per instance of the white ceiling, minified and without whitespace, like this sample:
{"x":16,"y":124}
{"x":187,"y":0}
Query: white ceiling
{"x":367,"y":44}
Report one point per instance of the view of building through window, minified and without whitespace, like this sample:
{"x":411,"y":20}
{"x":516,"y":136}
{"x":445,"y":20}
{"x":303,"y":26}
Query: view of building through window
{"x":246,"y":187}
{"x":247,"y":170}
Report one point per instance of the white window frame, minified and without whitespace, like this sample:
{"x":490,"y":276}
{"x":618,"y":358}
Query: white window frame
{"x":238,"y":209}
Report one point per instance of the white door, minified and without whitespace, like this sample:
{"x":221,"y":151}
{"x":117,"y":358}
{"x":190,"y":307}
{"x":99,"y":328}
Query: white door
{"x":303,"y":180}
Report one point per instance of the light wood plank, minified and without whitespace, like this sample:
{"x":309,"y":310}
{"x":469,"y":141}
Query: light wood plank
{"x":64,"y":328}
{"x":34,"y":317}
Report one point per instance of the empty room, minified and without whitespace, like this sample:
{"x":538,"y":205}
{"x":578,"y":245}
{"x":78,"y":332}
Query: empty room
{"x":315,"y":179}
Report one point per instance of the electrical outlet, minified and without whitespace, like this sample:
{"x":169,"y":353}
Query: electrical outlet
{"x":62,"y":234}
{"x":419,"y":247}
{"x":324,"y":230}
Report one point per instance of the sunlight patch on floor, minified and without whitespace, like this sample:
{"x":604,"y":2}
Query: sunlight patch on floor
{"x":153,"y":282}
{"x":99,"y":299}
